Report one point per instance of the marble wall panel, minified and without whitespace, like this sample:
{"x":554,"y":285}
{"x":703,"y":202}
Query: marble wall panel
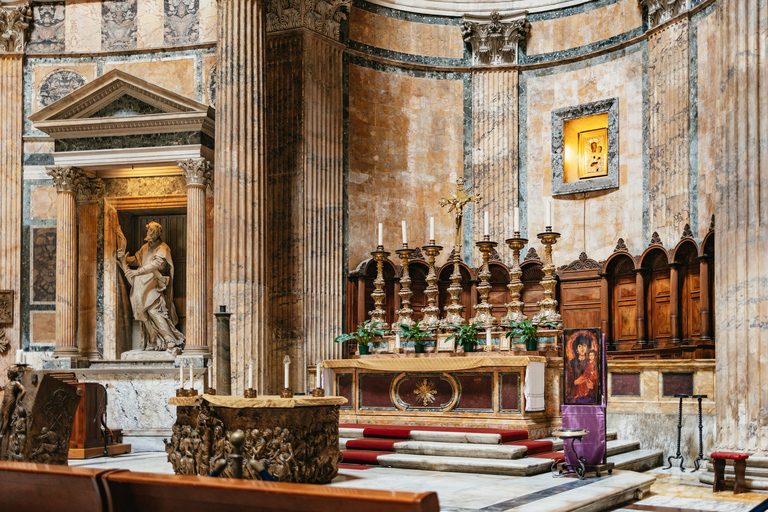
{"x":43,"y":255}
{"x":668,"y":138}
{"x":208,"y":21}
{"x":209,"y":79}
{"x":47,"y":34}
{"x":707,"y":89}
{"x":182,"y":25}
{"x":150,"y":23}
{"x":177,"y":75}
{"x":591,"y":222}
{"x":402,"y":36}
{"x":42,"y":202}
{"x":53,"y":82}
{"x":42,"y":328}
{"x":118,"y":24}
{"x":405,"y":153}
{"x":584,"y":28}
{"x":83,"y":26}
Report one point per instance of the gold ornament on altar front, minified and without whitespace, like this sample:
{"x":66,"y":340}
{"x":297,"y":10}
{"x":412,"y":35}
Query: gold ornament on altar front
{"x":425,"y":392}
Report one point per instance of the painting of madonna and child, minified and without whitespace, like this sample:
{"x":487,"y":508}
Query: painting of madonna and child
{"x":583,"y":368}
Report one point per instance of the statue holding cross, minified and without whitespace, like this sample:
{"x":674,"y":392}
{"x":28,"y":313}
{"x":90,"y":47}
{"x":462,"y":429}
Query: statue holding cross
{"x":457,"y":202}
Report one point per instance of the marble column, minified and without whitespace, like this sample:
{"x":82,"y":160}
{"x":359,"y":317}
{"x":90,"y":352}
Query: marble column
{"x":198,"y":174}
{"x":305,"y":132}
{"x":674,"y":304}
{"x":89,"y":198}
{"x":668,"y":137}
{"x":241,"y":253}
{"x":494,"y":155}
{"x":14,"y":29}
{"x":67,"y":181}
{"x":741,"y":268}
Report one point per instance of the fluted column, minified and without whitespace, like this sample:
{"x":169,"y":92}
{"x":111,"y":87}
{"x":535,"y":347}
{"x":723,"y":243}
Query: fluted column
{"x":198,"y":174}
{"x":14,"y":30}
{"x":668,"y":137}
{"x":741,"y":268}
{"x":67,"y":181}
{"x":706,"y":331}
{"x":89,"y":199}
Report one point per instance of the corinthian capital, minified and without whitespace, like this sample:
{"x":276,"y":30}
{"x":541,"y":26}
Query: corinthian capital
{"x":66,"y":179}
{"x":494,"y":42}
{"x":321,"y":16}
{"x":661,"y":11}
{"x":198,"y":172}
{"x":14,"y":22}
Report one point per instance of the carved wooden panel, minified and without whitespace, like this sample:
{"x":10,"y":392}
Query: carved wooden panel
{"x":690,"y":296}
{"x":624,"y":310}
{"x":532,"y":292}
{"x":580,"y":306}
{"x":658,"y":307}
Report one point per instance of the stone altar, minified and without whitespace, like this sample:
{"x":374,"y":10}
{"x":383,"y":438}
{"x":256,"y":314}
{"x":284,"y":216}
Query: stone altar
{"x":295,"y":439}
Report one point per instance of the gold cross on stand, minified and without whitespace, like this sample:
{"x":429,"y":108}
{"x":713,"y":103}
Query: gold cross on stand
{"x":457,"y":203}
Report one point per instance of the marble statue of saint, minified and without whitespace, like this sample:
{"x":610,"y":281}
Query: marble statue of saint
{"x":152,"y":292}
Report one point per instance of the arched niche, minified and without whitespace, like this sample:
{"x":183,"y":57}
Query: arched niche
{"x":619,"y":269}
{"x":532,"y":292}
{"x":689,"y":290}
{"x":499,"y":293}
{"x":655,"y":264}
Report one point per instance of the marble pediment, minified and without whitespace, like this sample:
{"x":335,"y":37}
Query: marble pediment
{"x":118,"y":103}
{"x":119,"y":125}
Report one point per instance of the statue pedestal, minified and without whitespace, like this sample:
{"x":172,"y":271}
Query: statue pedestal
{"x":147,"y":355}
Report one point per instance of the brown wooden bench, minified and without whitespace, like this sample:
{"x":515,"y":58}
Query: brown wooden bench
{"x":48,"y":488}
{"x":147,"y":492}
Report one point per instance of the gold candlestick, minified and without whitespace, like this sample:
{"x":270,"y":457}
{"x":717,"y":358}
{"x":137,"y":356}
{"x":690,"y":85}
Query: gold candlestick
{"x":405,"y":313}
{"x":515,"y":286}
{"x":431,"y":312}
{"x":548,"y":305}
{"x":484,"y":309}
{"x":379,"y":314}
{"x":250,"y":393}
{"x":454,"y":311}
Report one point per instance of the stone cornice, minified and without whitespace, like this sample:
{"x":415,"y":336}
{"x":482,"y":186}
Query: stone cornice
{"x":198,"y":172}
{"x":661,"y":11}
{"x":494,"y":42}
{"x":14,"y":23}
{"x":131,"y":125}
{"x":321,"y":16}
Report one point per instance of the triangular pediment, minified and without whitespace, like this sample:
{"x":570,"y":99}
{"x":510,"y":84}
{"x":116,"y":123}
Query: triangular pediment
{"x":126,"y":106}
{"x":99,"y":94}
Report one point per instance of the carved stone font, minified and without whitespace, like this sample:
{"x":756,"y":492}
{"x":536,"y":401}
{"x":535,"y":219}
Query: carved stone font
{"x":14,"y":22}
{"x":152,"y":291}
{"x":321,"y":16}
{"x":293,"y":444}
{"x":494,"y":42}
{"x":661,"y":11}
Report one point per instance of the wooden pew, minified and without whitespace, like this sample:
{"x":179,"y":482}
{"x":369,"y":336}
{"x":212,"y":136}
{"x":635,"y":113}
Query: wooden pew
{"x":147,"y":492}
{"x":25,"y":486}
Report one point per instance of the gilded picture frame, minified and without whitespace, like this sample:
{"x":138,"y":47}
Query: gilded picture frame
{"x":593,"y":153}
{"x":6,"y":306}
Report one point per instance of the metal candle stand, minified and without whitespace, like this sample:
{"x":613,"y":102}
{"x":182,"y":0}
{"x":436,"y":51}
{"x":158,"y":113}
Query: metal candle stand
{"x":701,"y":456}
{"x":679,"y":433}
{"x":250,"y":393}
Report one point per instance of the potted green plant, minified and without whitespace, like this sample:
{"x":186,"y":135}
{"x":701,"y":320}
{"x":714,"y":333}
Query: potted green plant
{"x":527,"y":330}
{"x":417,"y":334}
{"x":365,"y":333}
{"x":465,"y":335}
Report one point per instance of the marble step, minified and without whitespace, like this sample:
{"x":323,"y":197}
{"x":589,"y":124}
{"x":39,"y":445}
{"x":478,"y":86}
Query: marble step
{"x":459,"y":437}
{"x":513,"y":467}
{"x":557,"y":443}
{"x":637,"y":460}
{"x":489,"y":451}
{"x":618,"y":446}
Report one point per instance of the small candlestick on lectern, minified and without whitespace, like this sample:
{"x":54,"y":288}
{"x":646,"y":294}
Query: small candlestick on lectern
{"x":287,"y":391}
{"x":318,"y":391}
{"x":250,"y":392}
{"x":210,"y":390}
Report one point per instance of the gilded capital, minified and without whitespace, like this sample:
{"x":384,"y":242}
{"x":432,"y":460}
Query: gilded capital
{"x":14,"y":22}
{"x":321,"y":16}
{"x":198,"y":172}
{"x":494,"y":42}
{"x":66,"y":179}
{"x":661,"y":11}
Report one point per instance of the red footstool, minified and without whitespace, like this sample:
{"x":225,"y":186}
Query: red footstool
{"x":739,"y":467}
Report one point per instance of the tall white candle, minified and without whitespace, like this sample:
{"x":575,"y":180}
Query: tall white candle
{"x":321,"y":380}
{"x":488,"y":336}
{"x":516,"y":226}
{"x":191,"y":377}
{"x":181,"y":376}
{"x":485,"y":224}
{"x":381,"y":233}
{"x":250,"y":375}
{"x":549,"y":214}
{"x":397,"y":341}
{"x":210,"y":376}
{"x":431,"y":228}
{"x":19,"y":356}
{"x":405,"y":238}
{"x":287,"y":363}
{"x":318,"y":371}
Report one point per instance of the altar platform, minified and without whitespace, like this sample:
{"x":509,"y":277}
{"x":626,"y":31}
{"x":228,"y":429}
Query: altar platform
{"x":478,"y":389}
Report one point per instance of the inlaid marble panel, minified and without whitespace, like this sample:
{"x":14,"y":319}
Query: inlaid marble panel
{"x":118,"y":29}
{"x":43,"y":280}
{"x":181,"y":22}
{"x":208,"y":16}
{"x":42,"y":327}
{"x":47,"y":32}
{"x":42,"y":202}
{"x":150,"y":24}
{"x":83,"y":24}
{"x":177,"y":75}
{"x":54,"y":82}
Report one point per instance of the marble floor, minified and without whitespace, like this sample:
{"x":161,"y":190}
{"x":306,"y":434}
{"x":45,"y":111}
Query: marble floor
{"x":671,"y":491}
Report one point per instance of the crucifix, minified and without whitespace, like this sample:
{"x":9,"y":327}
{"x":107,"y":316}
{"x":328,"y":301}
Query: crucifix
{"x":457,"y":202}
